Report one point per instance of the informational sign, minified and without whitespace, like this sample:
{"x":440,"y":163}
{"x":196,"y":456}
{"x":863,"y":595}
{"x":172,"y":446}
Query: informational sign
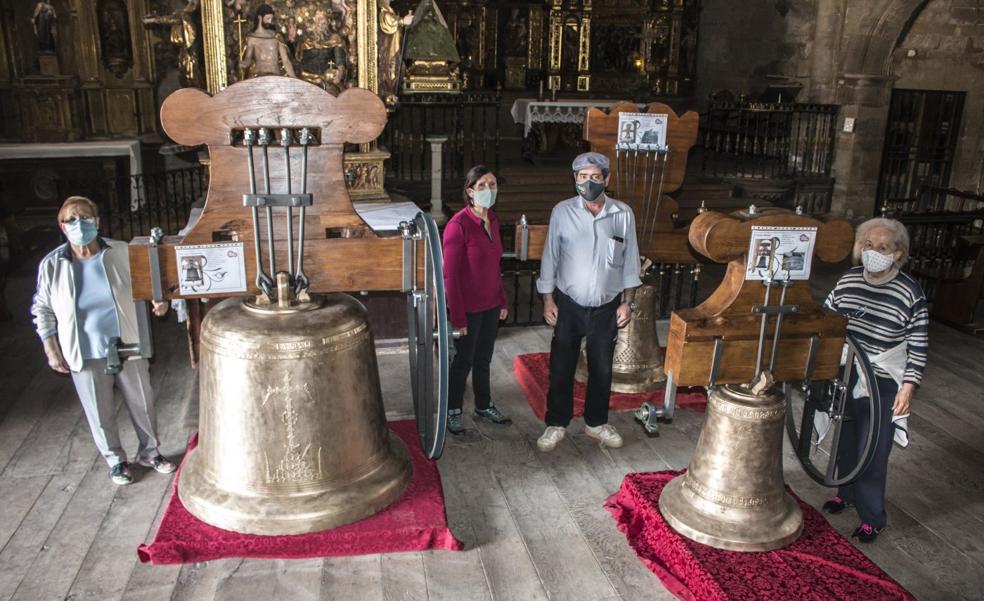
{"x":211,"y":268}
{"x":641,"y":131}
{"x":781,"y":253}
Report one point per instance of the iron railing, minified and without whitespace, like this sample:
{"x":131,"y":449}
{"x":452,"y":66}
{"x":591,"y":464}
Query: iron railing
{"x":936,"y":219}
{"x":132,"y":205}
{"x":469,"y":120}
{"x":768,"y":140}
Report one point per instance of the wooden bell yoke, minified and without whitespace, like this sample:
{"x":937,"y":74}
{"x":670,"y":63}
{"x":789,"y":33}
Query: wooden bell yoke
{"x":717,"y":341}
{"x":342,"y":252}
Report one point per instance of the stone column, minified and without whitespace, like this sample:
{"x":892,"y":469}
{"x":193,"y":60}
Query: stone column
{"x":437,"y":176}
{"x":857,"y":154}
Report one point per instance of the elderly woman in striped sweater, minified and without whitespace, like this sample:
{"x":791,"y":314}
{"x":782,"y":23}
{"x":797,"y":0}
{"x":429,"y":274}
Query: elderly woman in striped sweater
{"x":886,"y":311}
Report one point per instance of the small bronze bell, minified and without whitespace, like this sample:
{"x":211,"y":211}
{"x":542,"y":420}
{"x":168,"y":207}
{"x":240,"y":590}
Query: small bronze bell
{"x":732,"y":496}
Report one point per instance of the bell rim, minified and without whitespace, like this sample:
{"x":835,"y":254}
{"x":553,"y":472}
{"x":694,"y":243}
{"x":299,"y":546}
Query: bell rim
{"x":210,"y":504}
{"x":789,"y":527}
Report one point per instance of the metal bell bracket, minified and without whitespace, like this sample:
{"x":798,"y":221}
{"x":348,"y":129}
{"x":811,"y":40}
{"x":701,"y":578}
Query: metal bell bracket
{"x":627,"y":163}
{"x":263,"y":137}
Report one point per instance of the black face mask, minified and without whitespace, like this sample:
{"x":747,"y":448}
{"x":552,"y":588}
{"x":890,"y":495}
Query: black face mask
{"x":590,"y":190}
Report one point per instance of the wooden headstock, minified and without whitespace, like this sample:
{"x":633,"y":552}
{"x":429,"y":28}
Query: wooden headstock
{"x":727,"y":313}
{"x":601,"y":131}
{"x":341,"y":252}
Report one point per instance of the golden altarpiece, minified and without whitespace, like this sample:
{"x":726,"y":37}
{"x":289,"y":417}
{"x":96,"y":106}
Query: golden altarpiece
{"x":646,"y":47}
{"x":365,"y":36}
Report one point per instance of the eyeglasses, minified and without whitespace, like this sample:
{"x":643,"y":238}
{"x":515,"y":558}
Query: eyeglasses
{"x":595,"y":177}
{"x":74,"y":219}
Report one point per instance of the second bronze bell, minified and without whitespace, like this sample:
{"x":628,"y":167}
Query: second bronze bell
{"x":638,"y":361}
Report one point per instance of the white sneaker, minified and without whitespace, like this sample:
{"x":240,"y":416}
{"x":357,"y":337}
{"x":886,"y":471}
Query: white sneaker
{"x":606,"y":433}
{"x":550,"y":437}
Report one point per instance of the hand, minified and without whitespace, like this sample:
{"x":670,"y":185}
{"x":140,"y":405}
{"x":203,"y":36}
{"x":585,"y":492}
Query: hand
{"x":55,"y":359}
{"x":623,"y":315}
{"x":903,"y":400}
{"x":549,"y":311}
{"x":503,"y":314}
{"x":464,"y":331}
{"x":160,"y":307}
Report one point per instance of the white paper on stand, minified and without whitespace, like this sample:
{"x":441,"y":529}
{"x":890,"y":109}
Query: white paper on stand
{"x":386,"y":216}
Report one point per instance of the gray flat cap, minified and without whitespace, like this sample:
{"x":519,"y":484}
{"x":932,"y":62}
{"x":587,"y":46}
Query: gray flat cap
{"x":587,"y":159}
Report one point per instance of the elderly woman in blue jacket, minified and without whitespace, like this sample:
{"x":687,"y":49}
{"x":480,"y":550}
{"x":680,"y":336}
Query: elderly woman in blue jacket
{"x":82,"y":301}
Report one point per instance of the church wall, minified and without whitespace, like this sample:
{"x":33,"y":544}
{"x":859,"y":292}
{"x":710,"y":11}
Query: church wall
{"x":745,"y":46}
{"x":947,"y":40}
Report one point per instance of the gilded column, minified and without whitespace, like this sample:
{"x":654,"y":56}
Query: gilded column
{"x":213,"y":43}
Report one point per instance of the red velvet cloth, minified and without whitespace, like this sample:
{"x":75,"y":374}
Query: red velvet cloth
{"x":533,"y":373}
{"x":415,"y":522}
{"x":820,"y":566}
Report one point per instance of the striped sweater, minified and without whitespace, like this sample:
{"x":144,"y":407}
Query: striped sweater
{"x":883,"y":316}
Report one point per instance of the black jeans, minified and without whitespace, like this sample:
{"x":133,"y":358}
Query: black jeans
{"x":574,"y":323}
{"x":867,"y":493}
{"x":473,"y":353}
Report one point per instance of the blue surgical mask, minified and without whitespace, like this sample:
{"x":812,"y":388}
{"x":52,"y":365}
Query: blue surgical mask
{"x":485,"y":198}
{"x":81,"y":231}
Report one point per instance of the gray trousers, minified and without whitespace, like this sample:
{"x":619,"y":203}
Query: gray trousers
{"x":95,"y":389}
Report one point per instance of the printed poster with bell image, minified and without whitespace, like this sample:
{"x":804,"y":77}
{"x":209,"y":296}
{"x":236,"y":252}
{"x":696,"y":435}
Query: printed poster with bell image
{"x":780,"y":253}
{"x":211,"y":268}
{"x":641,"y":131}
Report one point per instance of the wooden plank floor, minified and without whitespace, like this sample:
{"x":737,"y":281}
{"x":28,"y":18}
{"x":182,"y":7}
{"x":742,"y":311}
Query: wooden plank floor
{"x":533,"y":523}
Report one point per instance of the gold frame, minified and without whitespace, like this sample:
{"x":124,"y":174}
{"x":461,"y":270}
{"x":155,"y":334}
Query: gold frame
{"x":213,"y":43}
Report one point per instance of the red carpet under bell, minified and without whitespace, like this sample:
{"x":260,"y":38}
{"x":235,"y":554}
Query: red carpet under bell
{"x":821,"y":566}
{"x":533,"y":373}
{"x":415,"y":522}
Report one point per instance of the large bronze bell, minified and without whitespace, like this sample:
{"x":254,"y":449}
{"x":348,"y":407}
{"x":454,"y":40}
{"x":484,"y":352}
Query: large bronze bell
{"x":292,"y":432}
{"x":732,"y":496}
{"x":638,"y":361}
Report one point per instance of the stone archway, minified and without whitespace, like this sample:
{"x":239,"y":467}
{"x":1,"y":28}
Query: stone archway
{"x":863,"y":89}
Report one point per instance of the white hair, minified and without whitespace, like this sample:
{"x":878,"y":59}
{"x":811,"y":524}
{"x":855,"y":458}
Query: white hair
{"x":900,"y":237}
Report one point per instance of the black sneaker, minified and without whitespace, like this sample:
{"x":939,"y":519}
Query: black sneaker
{"x":120,"y":474}
{"x":865,"y":533}
{"x":455,"y":424}
{"x":493,"y":415}
{"x":158,"y":463}
{"x":836,"y":505}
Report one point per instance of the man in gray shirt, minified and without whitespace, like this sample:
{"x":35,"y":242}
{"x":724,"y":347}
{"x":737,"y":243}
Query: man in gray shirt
{"x":588,"y":276}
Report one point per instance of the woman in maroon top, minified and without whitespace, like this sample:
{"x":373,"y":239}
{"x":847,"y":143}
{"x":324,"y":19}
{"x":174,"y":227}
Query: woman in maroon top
{"x":476,"y":296}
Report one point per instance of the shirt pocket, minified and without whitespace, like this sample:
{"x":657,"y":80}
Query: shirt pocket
{"x":616,"y":253}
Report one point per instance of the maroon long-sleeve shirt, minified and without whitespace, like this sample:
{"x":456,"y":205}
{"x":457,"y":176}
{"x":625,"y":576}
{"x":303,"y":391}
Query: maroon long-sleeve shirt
{"x":472,"y":278}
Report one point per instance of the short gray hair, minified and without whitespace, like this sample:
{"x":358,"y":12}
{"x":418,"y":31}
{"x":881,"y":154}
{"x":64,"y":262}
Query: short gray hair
{"x":900,"y":237}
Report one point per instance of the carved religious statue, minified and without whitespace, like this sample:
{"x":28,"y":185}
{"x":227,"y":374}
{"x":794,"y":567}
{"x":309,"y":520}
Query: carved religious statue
{"x":390,"y":58}
{"x":321,"y":54}
{"x":266,"y":53}
{"x":43,"y":22}
{"x":184,"y":35}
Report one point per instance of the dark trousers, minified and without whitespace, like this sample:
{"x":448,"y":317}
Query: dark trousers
{"x":473,"y":353}
{"x":867,"y":493}
{"x":575,"y":323}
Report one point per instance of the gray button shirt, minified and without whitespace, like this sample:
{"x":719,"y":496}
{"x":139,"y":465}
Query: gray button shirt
{"x":590,"y":258}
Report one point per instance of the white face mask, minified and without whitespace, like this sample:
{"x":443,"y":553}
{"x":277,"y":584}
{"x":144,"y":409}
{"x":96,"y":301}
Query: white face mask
{"x":875,"y":262}
{"x":484,"y":198}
